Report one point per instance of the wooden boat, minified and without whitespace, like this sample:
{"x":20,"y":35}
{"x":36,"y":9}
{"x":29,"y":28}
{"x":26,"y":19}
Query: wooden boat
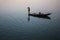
{"x":40,"y":14}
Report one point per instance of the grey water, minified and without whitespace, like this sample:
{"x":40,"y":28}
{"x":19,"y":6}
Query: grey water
{"x":15,"y":24}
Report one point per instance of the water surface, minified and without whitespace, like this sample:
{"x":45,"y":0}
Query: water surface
{"x":15,"y":24}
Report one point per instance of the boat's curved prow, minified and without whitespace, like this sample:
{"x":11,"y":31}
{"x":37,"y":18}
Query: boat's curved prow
{"x":49,"y":14}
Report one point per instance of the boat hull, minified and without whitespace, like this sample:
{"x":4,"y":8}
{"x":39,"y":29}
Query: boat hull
{"x":39,"y":16}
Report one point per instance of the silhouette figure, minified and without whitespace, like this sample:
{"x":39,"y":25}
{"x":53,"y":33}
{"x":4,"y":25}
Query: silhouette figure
{"x":28,"y":10}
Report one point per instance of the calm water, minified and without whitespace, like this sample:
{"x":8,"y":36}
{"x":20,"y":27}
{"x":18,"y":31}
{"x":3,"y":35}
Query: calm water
{"x":14,"y":23}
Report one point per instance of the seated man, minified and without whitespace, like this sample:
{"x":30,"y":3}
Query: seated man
{"x":39,"y":13}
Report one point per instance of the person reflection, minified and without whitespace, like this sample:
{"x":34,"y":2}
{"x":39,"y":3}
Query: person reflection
{"x":28,"y":17}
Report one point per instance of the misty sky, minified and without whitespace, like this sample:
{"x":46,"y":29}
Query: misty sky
{"x":17,"y":4}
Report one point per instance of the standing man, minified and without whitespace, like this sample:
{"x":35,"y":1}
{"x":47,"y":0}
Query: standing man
{"x":28,"y":10}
